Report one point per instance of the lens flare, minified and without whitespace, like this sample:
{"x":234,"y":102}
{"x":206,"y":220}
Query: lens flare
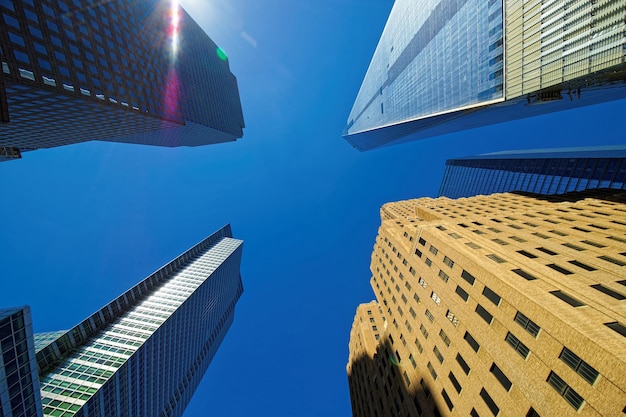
{"x":393,"y":360}
{"x":221,"y":54}
{"x":172,"y":86}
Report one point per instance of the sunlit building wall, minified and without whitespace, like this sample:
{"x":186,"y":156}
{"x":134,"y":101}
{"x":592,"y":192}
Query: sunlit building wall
{"x":542,"y":171}
{"x":145,"y":352}
{"x":125,"y":71}
{"x":501,"y":305}
{"x":443,"y":66}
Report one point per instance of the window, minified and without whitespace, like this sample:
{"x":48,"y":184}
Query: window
{"x":433,"y":250}
{"x":480,"y":310}
{"x":444,"y":394}
{"x":453,"y":319}
{"x":455,"y":382}
{"x":424,"y":331}
{"x":468,"y":277}
{"x":418,"y":252}
{"x":581,"y":367}
{"x":519,"y":347}
{"x":425,"y":388}
{"x":526,"y":275}
{"x":474,"y":413}
{"x":435,"y":298}
{"x":429,"y":315}
{"x":422,"y":241}
{"x":608,"y":291}
{"x":517,"y":239}
{"x":464,"y":366}
{"x":612,"y":260}
{"x":565,"y":390}
{"x":412,"y":312}
{"x":572,"y":246}
{"x":574,"y":302}
{"x":489,"y":401}
{"x":421,"y":282}
{"x":560,"y":269}
{"x":461,"y":292}
{"x":448,"y":261}
{"x":431,"y":370}
{"x":502,"y":379}
{"x":444,"y":337}
{"x":527,"y":324}
{"x":428,"y":262}
{"x":526,"y":254}
{"x":438,"y":354}
{"x":548,"y":251}
{"x":496,"y":258}
{"x":618,"y":327}
{"x":472,"y":245}
{"x":491,"y":295}
{"x":412,"y":271}
{"x":412,"y":360}
{"x":471,"y":341}
{"x":582,"y":265}
{"x":406,"y":376}
{"x":532,"y":413}
{"x":419,"y":346}
{"x":443,"y":276}
{"x":594,"y":244}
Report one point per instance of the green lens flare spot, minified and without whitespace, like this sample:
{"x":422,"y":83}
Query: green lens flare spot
{"x":221,"y":54}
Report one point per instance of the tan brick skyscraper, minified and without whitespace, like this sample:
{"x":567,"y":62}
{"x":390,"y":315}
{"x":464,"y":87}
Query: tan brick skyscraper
{"x":501,"y":305}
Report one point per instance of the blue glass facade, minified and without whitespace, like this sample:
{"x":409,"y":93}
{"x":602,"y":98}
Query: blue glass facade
{"x":442,"y":66}
{"x":124,"y":71}
{"x":144,"y":353}
{"x":434,"y":56}
{"x":549,"y":171}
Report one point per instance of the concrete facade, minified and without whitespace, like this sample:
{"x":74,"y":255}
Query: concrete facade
{"x":509,"y":304}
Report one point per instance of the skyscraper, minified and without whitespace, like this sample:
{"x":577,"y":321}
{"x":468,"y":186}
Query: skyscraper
{"x":501,"y":305}
{"x":442,"y":66}
{"x":124,"y":71}
{"x":543,"y":171}
{"x":144,"y":353}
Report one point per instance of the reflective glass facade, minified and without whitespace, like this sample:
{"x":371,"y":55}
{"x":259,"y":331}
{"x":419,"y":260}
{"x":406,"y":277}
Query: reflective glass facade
{"x":19,"y":387}
{"x":144,"y":353}
{"x":443,"y":66}
{"x":434,"y":56}
{"x":549,"y":171}
{"x":125,"y":71}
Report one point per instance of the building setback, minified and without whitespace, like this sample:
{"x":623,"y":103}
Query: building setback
{"x":443,"y":66}
{"x":542,"y":171}
{"x":124,"y":71}
{"x":503,"y":305}
{"x":144,"y":353}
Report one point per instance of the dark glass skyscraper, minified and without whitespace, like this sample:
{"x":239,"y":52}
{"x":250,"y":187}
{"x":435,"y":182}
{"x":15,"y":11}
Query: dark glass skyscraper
{"x":442,"y":66}
{"x":126,"y":71}
{"x":144,"y":353}
{"x":542,"y":171}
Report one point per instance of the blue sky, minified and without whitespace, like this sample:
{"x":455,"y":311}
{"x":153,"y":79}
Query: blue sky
{"x":83,"y":223}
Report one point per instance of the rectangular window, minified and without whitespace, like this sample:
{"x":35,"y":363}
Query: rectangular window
{"x":468,"y":277}
{"x":617,"y":326}
{"x":407,"y":379}
{"x":453,"y":319}
{"x":484,"y":314}
{"x":419,"y":346}
{"x":594,"y":244}
{"x":461,"y":292}
{"x":412,"y":360}
{"x":496,"y":258}
{"x":583,"y":369}
{"x":527,"y":324}
{"x":527,"y":276}
{"x":612,"y":260}
{"x":433,"y":250}
{"x":502,"y":379}
{"x":444,"y":394}
{"x":471,"y":341}
{"x":418,"y":252}
{"x":608,"y":291}
{"x":582,"y":265}
{"x":424,"y":331}
{"x":517,"y":345}
{"x":574,"y":302}
{"x":428,"y":262}
{"x":429,"y":315}
{"x":572,"y":246}
{"x":560,"y":269}
{"x":491,"y":295}
{"x":526,"y":254}
{"x":421,"y":282}
{"x":444,"y":337}
{"x":464,"y":366}
{"x":425,"y":388}
{"x":565,"y":390}
{"x":448,"y":261}
{"x":455,"y":382}
{"x":431,"y":370}
{"x":546,"y":250}
{"x":489,"y":401}
{"x":422,"y":241}
{"x":444,"y":277}
{"x":532,"y":413}
{"x":438,"y":354}
{"x":435,"y":298}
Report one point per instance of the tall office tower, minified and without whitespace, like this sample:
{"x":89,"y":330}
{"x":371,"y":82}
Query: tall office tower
{"x":144,"y":353}
{"x":19,"y":387}
{"x":125,"y":71}
{"x":542,"y":171}
{"x":503,"y":305}
{"x":443,"y":66}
